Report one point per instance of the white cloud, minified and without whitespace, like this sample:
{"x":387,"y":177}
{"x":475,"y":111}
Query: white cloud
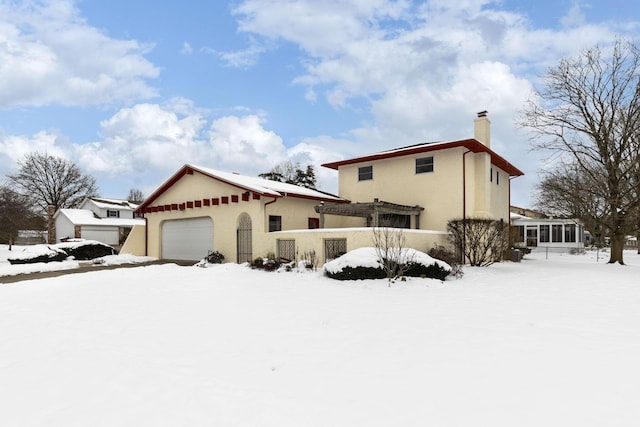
{"x":423,"y":68}
{"x":50,"y":55}
{"x":186,"y":49}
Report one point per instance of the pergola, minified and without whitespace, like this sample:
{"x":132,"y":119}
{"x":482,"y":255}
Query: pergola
{"x":373,"y":211}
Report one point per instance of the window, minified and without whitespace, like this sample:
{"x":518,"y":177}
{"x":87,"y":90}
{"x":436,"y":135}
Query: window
{"x":544,"y":234}
{"x":286,"y":249}
{"x":113,"y":214}
{"x":497,"y":178}
{"x":570,"y":233}
{"x":314,"y":223}
{"x":556,"y":233}
{"x":365,"y":173}
{"x":491,"y":175}
{"x":333,"y":248}
{"x":424,"y":164}
{"x":520,"y":233}
{"x":275,"y":223}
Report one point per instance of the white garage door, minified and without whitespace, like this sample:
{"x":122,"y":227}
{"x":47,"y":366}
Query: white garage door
{"x":105,"y":235}
{"x":187,"y":239}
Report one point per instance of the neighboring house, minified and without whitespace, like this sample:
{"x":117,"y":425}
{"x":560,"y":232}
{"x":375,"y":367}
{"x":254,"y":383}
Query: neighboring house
{"x":109,"y":208}
{"x":106,"y":220}
{"x":419,"y":188}
{"x":548,"y":233}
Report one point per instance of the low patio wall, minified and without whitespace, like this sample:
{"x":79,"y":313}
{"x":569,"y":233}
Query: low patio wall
{"x":314,"y":240}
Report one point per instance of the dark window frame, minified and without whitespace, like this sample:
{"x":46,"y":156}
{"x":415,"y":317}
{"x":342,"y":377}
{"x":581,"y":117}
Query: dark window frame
{"x":365,"y":173}
{"x":275,"y":223}
{"x":545,"y":233}
{"x":424,"y":164}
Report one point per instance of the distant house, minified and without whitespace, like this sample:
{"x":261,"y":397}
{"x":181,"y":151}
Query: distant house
{"x":420,"y":188}
{"x":107,"y":221}
{"x":548,"y":233}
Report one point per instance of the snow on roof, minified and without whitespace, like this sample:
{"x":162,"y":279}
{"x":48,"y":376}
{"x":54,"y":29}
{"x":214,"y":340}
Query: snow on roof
{"x":265,"y":186}
{"x":104,"y":203}
{"x":86,"y":217}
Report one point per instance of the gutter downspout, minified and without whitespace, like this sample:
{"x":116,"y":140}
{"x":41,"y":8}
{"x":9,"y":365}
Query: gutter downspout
{"x":464,"y":203}
{"x":146,"y":236}
{"x":275,"y":199}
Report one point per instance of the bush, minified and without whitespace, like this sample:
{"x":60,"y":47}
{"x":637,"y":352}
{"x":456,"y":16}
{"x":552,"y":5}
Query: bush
{"x":444,"y":254}
{"x":358,"y":273}
{"x":79,"y":250}
{"x":433,"y":271}
{"x":266,"y":264}
{"x":363,"y":263}
{"x":215,"y":257}
{"x":88,"y":250}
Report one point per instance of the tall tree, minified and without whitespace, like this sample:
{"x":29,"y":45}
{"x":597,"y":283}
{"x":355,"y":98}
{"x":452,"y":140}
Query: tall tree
{"x":135,"y":196}
{"x":589,"y":111}
{"x":292,"y":173}
{"x":52,"y":181}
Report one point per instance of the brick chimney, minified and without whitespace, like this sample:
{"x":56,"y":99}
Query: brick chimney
{"x":482,"y":128}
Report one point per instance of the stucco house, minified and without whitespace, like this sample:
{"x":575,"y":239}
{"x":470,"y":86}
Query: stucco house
{"x":428,"y":184}
{"x":199,"y":210}
{"x":107,"y":221}
{"x":419,"y":188}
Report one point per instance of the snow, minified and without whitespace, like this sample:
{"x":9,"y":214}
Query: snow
{"x":22,"y":252}
{"x":544,"y":342}
{"x":87,"y":217}
{"x":266,"y":186}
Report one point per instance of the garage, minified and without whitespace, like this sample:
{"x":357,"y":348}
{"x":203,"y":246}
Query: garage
{"x":187,"y":239}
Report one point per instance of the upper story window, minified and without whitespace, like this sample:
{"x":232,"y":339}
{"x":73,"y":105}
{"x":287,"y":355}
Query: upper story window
{"x":424,"y":164}
{"x":365,"y":173}
{"x":113,"y":214}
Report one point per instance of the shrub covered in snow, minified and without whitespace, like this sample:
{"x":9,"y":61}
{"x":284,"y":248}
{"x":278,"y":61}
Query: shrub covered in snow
{"x":364,"y":263}
{"x":215,"y":257}
{"x":77,"y":249}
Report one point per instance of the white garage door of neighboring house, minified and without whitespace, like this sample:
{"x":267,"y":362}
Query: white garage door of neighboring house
{"x":187,"y":239}
{"x":107,"y":235}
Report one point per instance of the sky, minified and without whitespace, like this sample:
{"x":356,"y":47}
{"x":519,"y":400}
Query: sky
{"x":131,"y":91}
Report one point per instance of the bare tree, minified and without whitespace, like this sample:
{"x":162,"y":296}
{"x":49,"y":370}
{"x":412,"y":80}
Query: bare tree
{"x":391,"y":249}
{"x":480,"y":241}
{"x":566,"y":191}
{"x":52,"y":181}
{"x":589,"y":111}
{"x":136,"y":196}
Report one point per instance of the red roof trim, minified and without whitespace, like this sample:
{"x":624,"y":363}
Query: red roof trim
{"x":471,"y":144}
{"x":188,"y":170}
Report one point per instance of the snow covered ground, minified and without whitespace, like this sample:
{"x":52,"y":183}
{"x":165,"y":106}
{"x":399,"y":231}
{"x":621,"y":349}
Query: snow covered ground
{"x":544,"y":342}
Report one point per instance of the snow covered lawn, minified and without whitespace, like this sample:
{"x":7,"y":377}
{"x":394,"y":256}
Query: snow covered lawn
{"x":541,"y":343}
